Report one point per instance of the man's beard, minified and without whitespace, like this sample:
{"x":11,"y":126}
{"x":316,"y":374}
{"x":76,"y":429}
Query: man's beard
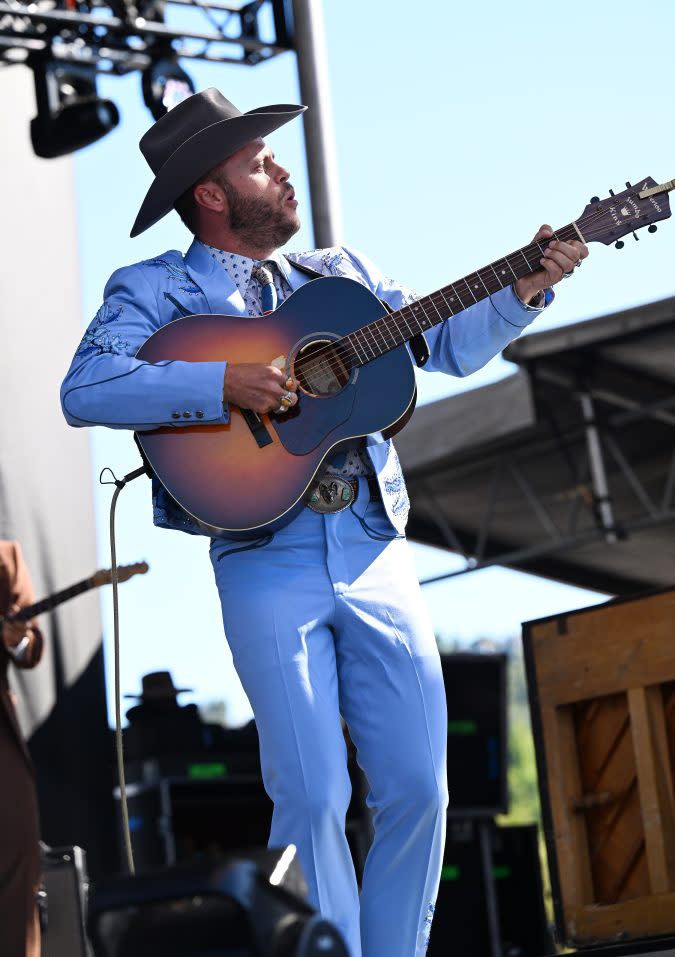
{"x":259,"y":223}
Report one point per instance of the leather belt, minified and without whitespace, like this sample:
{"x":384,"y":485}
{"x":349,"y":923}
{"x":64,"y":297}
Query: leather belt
{"x":331,"y":493}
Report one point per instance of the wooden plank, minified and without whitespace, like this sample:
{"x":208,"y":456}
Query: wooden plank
{"x":574,"y":868}
{"x":605,"y":650}
{"x":641,"y":917}
{"x":655,"y":784}
{"x":610,"y":801}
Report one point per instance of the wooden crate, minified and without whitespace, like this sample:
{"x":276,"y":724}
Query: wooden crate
{"x":602,"y":697}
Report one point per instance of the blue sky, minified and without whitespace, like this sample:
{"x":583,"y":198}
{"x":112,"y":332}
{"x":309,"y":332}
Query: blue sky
{"x":459,"y":130}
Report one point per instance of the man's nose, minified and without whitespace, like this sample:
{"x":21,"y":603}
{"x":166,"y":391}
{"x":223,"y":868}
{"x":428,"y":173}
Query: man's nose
{"x":282,"y":174}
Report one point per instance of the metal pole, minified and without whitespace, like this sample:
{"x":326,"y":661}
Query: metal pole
{"x":596,"y":461}
{"x":310,"y":47}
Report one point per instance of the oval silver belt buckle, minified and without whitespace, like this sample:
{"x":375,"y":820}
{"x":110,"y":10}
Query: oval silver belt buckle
{"x":330,"y":493}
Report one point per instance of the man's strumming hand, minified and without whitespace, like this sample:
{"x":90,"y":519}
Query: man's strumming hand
{"x":261,"y":388}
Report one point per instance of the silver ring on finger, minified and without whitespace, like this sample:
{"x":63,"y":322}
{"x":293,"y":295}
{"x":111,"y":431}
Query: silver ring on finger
{"x":566,"y":275}
{"x":287,"y":397}
{"x":281,"y":409}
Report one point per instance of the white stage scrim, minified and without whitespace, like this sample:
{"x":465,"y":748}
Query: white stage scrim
{"x":46,"y":495}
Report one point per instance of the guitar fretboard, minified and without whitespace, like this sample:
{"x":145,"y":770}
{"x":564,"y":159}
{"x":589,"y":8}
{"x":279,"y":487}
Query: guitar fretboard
{"x":367,"y":343}
{"x":30,"y":611}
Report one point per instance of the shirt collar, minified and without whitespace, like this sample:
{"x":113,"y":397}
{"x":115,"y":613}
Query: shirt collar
{"x":239,"y":268}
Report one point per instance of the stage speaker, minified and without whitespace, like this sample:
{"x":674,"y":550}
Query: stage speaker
{"x":601,"y":683}
{"x":186,"y":807}
{"x":63,"y":902}
{"x":176,"y":820}
{"x":475,"y":687}
{"x":490,"y":900}
{"x":516,"y":869}
{"x":460,"y":924}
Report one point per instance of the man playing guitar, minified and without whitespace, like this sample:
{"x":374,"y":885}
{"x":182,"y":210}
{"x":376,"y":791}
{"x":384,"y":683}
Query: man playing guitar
{"x":323,"y":613}
{"x":21,"y":646}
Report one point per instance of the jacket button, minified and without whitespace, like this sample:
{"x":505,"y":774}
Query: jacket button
{"x":187,"y":415}
{"x":199,"y":414}
{"x":175,"y":415}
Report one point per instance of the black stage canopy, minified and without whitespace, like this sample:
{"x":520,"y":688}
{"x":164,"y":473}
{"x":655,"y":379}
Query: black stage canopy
{"x":565,"y":469}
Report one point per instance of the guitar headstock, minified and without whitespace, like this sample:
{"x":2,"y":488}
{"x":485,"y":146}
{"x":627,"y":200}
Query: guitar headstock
{"x":606,"y":221}
{"x":124,"y":573}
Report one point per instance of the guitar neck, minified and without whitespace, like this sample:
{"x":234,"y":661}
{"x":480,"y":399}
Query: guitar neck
{"x":30,"y":611}
{"x":396,"y":328}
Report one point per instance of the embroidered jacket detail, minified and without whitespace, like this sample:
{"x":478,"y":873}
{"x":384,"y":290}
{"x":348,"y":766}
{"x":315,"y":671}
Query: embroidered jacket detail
{"x":426,"y":925}
{"x":336,"y":262}
{"x":407,"y":295}
{"x":167,"y":513}
{"x":99,"y":339}
{"x":178,"y":274}
{"x":330,"y":262}
{"x":394,"y":484}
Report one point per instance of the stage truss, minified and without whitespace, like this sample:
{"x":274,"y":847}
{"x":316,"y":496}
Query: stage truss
{"x":123,"y":36}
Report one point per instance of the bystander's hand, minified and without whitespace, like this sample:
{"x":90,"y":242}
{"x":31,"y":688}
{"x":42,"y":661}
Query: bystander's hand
{"x":16,"y":635}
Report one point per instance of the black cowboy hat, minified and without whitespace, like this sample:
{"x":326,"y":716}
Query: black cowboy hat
{"x":192,"y":138}
{"x":158,"y":685}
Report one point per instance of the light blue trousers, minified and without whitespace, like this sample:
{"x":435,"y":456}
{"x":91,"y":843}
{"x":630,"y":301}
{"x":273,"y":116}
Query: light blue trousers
{"x":326,"y":621}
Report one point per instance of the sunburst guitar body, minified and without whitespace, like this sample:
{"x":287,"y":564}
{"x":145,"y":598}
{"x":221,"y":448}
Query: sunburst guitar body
{"x":248,"y":476}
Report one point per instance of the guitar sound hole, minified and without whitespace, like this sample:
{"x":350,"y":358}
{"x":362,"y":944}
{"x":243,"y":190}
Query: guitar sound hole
{"x":321,"y":371}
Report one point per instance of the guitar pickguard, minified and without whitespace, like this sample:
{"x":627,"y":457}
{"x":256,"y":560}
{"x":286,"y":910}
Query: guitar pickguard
{"x":305,"y":431}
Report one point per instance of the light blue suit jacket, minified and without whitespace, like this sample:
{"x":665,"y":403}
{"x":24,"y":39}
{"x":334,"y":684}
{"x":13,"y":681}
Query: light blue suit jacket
{"x":106,"y":385}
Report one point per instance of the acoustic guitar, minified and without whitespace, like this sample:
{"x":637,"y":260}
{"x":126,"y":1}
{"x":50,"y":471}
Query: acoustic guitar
{"x":124,"y":573}
{"x":354,"y":371}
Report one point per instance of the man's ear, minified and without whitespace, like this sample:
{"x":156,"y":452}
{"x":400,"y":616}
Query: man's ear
{"x":210,"y":196}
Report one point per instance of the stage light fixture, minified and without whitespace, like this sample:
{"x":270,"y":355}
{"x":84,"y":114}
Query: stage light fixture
{"x":251,"y":905}
{"x":70,"y":114}
{"x":165,"y":85}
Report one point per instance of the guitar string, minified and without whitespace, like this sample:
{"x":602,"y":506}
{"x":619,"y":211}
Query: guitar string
{"x":340,"y":351}
{"x":340,"y":354}
{"x":381,"y":327}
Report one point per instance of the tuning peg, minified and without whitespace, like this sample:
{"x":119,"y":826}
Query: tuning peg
{"x":618,"y":244}
{"x":595,"y":199}
{"x":652,"y":228}
{"x":611,"y":192}
{"x":627,"y":184}
{"x":635,"y":236}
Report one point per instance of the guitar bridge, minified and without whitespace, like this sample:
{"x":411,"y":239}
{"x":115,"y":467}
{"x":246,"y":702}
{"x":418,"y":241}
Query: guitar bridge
{"x":257,"y":427}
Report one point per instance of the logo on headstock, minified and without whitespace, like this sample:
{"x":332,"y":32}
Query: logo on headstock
{"x":630,"y":209}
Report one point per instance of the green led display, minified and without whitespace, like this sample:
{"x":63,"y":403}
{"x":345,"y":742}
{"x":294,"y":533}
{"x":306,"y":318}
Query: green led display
{"x":450,"y":873}
{"x":207,"y":770}
{"x":503,"y":871}
{"x":462,"y":727}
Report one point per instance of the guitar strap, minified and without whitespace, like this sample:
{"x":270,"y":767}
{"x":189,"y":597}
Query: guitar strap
{"x":418,"y":344}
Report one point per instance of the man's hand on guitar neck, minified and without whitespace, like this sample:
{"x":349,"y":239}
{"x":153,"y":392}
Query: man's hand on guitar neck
{"x":261,"y":388}
{"x":559,"y":259}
